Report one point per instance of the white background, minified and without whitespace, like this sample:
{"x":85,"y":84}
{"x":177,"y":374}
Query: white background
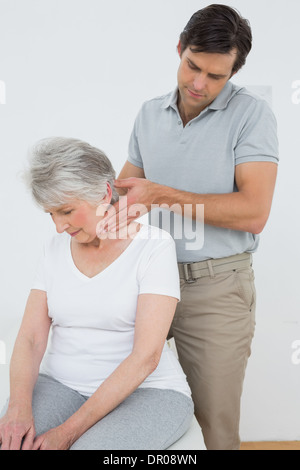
{"x":82,"y":68}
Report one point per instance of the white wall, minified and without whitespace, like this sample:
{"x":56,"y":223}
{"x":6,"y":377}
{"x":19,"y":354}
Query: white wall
{"x":82,"y":68}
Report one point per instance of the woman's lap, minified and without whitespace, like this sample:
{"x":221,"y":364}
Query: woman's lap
{"x":149,"y":418}
{"x":53,"y":403}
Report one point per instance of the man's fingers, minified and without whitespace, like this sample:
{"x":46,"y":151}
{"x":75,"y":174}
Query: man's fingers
{"x":125,"y":216}
{"x":109,"y":224}
{"x":112,"y":214}
{"x":102,"y":209}
{"x":137,"y":210}
{"x":108,"y":211}
{"x":118,"y":215}
{"x":125,"y":182}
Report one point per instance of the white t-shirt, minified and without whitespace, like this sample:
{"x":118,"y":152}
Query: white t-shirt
{"x":93,"y":319}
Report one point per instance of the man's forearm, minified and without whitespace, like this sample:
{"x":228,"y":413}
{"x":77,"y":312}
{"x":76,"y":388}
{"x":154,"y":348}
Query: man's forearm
{"x":245,"y":210}
{"x":233,"y":210}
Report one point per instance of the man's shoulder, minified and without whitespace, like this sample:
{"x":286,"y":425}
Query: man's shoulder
{"x":157,"y":102}
{"x":159,"y":99}
{"x":244,"y":94}
{"x":244,"y":102}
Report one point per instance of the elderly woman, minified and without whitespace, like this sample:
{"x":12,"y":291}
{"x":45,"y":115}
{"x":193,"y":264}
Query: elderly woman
{"x":107,"y":379}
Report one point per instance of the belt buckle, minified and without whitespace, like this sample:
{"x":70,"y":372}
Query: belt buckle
{"x":188,"y":273}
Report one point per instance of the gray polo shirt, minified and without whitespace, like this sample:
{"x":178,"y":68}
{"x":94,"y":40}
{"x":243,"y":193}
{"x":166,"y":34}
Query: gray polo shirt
{"x":236,"y":128}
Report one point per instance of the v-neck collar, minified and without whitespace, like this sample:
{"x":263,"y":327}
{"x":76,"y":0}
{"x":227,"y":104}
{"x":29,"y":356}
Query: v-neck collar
{"x":86,"y":278}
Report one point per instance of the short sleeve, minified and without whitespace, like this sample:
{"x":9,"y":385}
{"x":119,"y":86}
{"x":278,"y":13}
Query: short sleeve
{"x":39,"y":281}
{"x":258,"y":137}
{"x":134,"y":154}
{"x":159,"y":274}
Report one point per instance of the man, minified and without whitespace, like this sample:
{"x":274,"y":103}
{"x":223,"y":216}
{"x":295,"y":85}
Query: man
{"x":209,"y":143}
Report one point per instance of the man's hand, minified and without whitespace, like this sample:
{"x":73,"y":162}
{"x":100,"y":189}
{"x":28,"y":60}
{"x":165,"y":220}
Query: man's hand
{"x":141,"y":194}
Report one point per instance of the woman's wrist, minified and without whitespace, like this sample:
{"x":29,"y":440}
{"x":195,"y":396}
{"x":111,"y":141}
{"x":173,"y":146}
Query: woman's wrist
{"x":24,"y":406}
{"x":18,"y":400}
{"x":69,"y":433}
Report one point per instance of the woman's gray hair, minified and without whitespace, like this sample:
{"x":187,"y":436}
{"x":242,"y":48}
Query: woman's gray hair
{"x":63,"y":169}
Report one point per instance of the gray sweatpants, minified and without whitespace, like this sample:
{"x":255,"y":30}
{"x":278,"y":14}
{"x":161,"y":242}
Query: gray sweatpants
{"x":149,"y":419}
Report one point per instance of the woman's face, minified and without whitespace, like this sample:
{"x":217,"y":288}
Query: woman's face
{"x":78,"y":218}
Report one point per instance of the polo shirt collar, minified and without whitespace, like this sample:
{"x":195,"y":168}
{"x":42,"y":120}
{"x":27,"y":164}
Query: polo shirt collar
{"x":220,"y":102}
{"x":223,"y":98}
{"x":170,"y":100}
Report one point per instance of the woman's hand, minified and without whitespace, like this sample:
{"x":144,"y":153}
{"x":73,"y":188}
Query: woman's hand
{"x":17,"y":425}
{"x":54,"y":439}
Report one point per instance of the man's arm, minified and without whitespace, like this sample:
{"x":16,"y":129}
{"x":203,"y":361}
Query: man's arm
{"x":129,"y":170}
{"x":246,"y":210}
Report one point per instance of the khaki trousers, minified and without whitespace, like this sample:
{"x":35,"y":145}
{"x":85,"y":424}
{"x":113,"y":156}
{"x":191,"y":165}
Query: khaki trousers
{"x":213,"y":328}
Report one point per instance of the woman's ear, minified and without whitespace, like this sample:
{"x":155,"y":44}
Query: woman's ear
{"x":107,"y":198}
{"x":105,"y":204}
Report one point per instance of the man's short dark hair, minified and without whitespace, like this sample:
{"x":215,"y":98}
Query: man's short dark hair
{"x":218,"y":29}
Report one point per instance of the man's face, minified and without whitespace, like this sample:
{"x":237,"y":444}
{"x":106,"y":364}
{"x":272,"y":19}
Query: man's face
{"x":201,"y":77}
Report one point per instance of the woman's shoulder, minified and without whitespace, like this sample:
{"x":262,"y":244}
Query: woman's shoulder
{"x":152,"y":232}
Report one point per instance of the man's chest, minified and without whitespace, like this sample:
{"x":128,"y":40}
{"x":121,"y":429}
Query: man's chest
{"x":196,"y":158}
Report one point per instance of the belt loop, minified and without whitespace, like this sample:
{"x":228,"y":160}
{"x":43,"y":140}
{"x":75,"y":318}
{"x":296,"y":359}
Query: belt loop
{"x":188,"y":275}
{"x":210,"y":268}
